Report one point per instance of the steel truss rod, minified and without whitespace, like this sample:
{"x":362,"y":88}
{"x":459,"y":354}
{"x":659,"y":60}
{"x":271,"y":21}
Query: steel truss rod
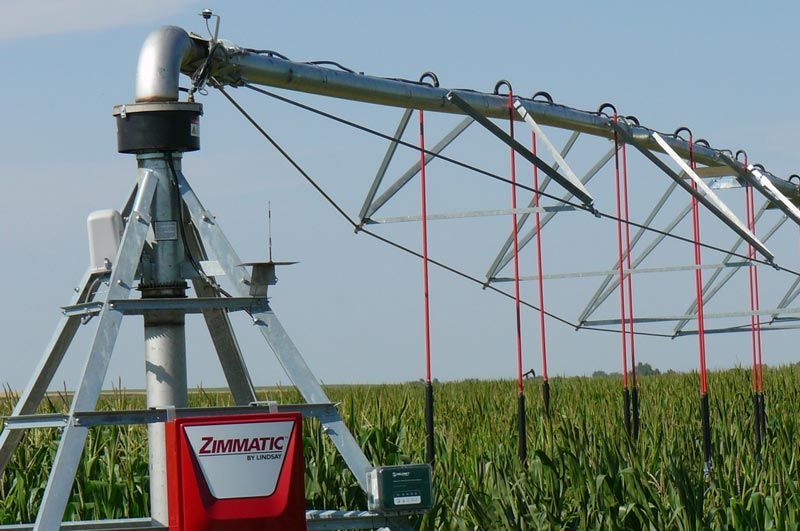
{"x":712,"y":288}
{"x":717,"y":315}
{"x":641,"y":270}
{"x":504,"y":256}
{"x":575,"y":187}
{"x":604,"y":290}
{"x":708,"y":198}
{"x":235,"y":66}
{"x":472,"y":214}
{"x":387,"y":158}
{"x":415,"y":168}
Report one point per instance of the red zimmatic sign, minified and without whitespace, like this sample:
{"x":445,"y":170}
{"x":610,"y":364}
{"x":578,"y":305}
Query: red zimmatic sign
{"x":236,"y":472}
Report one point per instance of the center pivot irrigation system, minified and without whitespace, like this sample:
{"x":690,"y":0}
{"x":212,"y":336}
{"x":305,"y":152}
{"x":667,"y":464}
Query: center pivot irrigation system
{"x":164,"y":237}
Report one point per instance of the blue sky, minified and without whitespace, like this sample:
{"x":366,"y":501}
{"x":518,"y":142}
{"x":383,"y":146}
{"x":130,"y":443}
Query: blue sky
{"x":726,"y":69}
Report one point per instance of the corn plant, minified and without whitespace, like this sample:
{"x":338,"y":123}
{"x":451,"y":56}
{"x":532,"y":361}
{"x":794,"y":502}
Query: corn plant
{"x":582,"y":470}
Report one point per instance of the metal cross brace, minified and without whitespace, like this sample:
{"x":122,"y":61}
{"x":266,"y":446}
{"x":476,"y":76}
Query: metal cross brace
{"x":761,"y":183}
{"x":604,"y":290}
{"x":765,"y":327}
{"x":371,"y":206}
{"x":707,"y":197}
{"x":505,"y":255}
{"x":666,"y":318}
{"x":786,"y":300}
{"x":710,"y":289}
{"x":387,"y":159}
{"x":576,"y":188}
{"x":635,"y":271}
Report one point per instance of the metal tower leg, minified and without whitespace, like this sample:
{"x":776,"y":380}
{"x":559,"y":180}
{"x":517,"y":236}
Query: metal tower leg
{"x":228,"y":352}
{"x":218,"y":247}
{"x":37,"y":387}
{"x":220,"y":329}
{"x":73,"y":437}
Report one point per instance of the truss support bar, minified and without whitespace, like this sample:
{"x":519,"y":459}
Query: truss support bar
{"x":575,"y":188}
{"x":791,"y":295}
{"x":605,"y":289}
{"x":712,"y":288}
{"x":769,"y":190}
{"x":415,"y":168}
{"x":316,"y":520}
{"x":545,"y":182}
{"x":474,"y":214}
{"x":707,"y":197}
{"x":640,"y":270}
{"x":140,"y":306}
{"x":387,"y":159}
{"x":716,"y":171}
{"x":765,"y":327}
{"x":570,"y":175}
{"x":568,"y":145}
{"x":717,"y":315}
{"x":82,"y":309}
{"x":724,"y":183}
{"x":593,"y":303}
{"x":764,"y":185}
{"x":70,"y":448}
{"x":219,"y":248}
{"x":28,"y":422}
{"x":95,"y":525}
{"x":504,"y":256}
{"x":90,"y":419}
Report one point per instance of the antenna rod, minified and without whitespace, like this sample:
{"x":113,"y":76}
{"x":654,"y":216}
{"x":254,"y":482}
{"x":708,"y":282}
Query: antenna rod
{"x":269,"y":228}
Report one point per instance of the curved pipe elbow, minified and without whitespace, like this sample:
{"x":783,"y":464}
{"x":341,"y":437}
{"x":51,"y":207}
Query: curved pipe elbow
{"x":163,"y":53}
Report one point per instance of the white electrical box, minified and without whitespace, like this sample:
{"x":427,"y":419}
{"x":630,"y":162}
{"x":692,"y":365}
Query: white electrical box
{"x":105,"y":234}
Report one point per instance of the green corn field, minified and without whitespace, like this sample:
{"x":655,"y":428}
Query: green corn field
{"x":582,"y":471}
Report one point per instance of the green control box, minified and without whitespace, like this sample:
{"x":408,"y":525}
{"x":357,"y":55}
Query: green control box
{"x":400,"y":488}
